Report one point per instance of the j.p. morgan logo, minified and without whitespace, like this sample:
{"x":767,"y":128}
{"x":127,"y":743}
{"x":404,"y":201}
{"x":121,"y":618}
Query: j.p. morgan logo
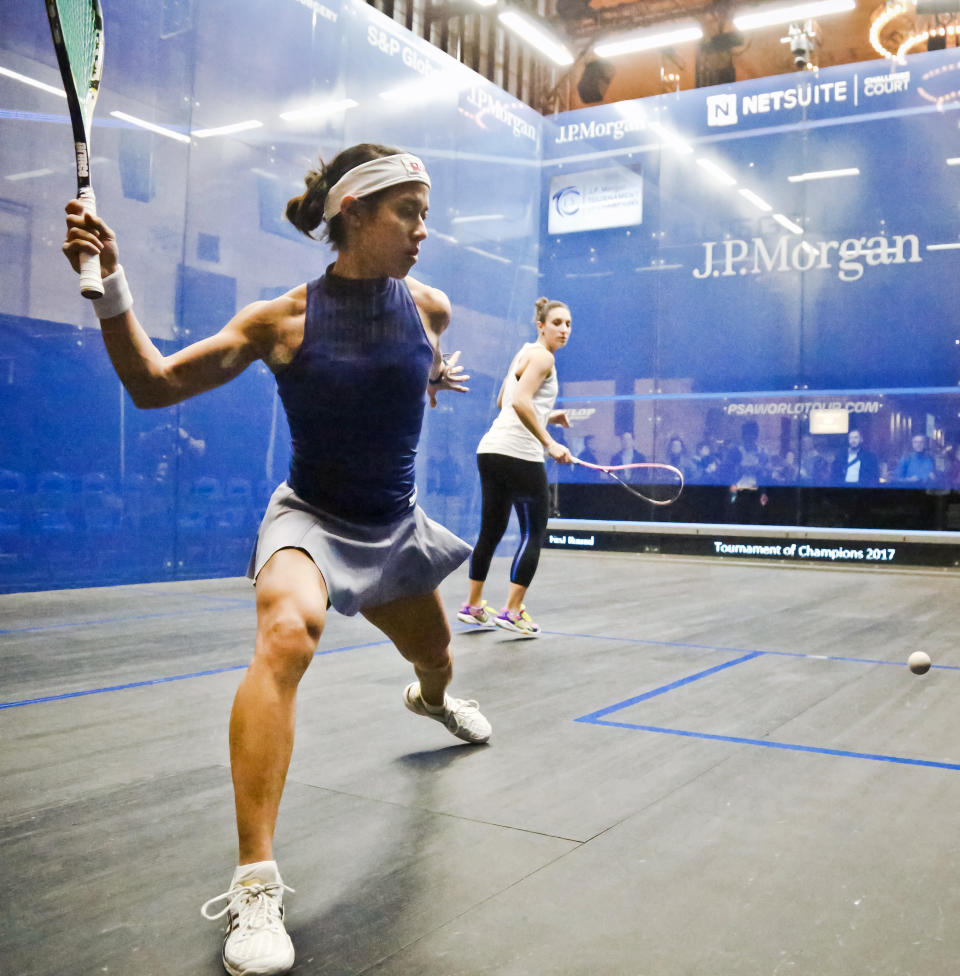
{"x":726,"y":259}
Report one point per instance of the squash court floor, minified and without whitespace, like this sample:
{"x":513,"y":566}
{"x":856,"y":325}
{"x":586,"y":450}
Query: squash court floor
{"x":702,"y":768}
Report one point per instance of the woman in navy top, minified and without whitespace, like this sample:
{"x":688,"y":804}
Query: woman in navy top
{"x":354,"y":352}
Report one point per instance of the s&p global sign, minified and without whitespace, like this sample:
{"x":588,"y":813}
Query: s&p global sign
{"x":595,"y":199}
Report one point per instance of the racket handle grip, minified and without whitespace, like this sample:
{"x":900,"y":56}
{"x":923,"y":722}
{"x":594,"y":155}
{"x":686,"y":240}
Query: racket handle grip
{"x":90,"y":284}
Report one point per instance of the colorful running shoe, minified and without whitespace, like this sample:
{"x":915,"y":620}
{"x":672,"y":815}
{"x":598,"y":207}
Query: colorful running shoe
{"x":519,"y":623}
{"x":477,"y":616}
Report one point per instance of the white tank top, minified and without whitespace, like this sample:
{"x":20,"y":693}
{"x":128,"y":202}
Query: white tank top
{"x":507,"y":435}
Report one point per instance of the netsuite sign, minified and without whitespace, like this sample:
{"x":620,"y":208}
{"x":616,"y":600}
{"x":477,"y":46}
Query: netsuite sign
{"x":731,"y":258}
{"x":729,"y":108}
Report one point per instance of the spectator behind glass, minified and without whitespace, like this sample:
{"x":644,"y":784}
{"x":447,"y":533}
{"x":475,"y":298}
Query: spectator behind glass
{"x":917,"y":466}
{"x":678,"y":457}
{"x":856,"y":465}
{"x":705,"y":464}
{"x":786,"y":471}
{"x":628,"y":455}
{"x":747,"y":464}
{"x":814,"y":467}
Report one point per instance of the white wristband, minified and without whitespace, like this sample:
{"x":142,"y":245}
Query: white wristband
{"x":116,"y":296}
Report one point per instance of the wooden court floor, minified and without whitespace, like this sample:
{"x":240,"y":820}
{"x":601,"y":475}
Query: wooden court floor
{"x":702,"y":768}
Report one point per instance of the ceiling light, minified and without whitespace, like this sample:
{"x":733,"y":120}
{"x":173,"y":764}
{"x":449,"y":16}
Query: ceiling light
{"x":537,"y":35}
{"x":478,"y":217}
{"x":785,"y":13}
{"x":646,"y":40}
{"x":953,"y":161}
{"x":436,"y":85}
{"x":788,"y":223}
{"x":317,"y":110}
{"x":721,"y":176}
{"x":226,"y":130}
{"x":758,"y":202}
{"x":670,"y":139}
{"x":29,"y":175}
{"x":16,"y":76}
{"x":159,"y":129}
{"x":824,"y":174}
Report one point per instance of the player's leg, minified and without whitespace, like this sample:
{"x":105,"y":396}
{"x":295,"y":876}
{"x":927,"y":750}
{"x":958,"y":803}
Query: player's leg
{"x":418,"y":628}
{"x":494,"y":518}
{"x":291,"y":609}
{"x":532,"y":504}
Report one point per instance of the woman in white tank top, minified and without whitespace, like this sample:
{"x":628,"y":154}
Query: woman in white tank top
{"x":510,"y":458}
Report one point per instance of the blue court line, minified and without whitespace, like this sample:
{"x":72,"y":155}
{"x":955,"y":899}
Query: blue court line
{"x":118,"y":620}
{"x":160,"y":681}
{"x":789,"y":746}
{"x":741,"y":650}
{"x":596,"y":718}
{"x":747,"y":394}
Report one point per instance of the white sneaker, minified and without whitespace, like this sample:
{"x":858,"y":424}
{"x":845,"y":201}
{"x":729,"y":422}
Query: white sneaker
{"x":462,"y":718}
{"x":256,"y":943}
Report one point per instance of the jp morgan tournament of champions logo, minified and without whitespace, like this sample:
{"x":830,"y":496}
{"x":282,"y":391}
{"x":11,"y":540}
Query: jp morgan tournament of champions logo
{"x":566,"y":201}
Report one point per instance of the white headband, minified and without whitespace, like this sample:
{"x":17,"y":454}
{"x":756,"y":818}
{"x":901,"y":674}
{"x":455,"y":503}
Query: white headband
{"x":377,"y":174}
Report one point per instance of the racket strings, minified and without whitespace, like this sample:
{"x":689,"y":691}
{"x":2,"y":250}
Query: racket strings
{"x":80,"y":25}
{"x":658,"y":469}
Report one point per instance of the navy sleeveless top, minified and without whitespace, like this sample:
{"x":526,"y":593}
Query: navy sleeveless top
{"x":354,"y":396}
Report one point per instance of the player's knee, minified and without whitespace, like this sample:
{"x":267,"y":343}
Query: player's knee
{"x":286,"y":643}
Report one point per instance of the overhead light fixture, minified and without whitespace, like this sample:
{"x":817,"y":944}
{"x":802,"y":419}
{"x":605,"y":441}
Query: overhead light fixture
{"x":226,"y":130}
{"x":788,"y":223}
{"x":953,"y":161}
{"x":824,"y":174}
{"x":537,"y":36}
{"x":477,"y":218}
{"x":647,"y":40}
{"x":786,"y":13}
{"x":431,"y":87}
{"x":29,"y":175}
{"x":758,"y":202}
{"x":158,"y":129}
{"x":43,"y":86}
{"x":484,"y":3}
{"x":670,"y":139}
{"x":720,"y":175}
{"x":317,"y":110}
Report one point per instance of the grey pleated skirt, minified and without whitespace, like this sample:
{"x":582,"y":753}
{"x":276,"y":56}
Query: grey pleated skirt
{"x":362,"y":565}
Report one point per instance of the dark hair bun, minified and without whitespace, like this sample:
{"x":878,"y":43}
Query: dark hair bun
{"x":305,"y":212}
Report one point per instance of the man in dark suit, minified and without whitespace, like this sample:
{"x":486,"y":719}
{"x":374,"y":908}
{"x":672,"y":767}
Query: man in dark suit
{"x":627,"y":455}
{"x":856,"y":465}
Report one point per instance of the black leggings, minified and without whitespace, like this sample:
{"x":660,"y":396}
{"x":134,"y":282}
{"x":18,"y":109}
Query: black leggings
{"x":509,"y":482}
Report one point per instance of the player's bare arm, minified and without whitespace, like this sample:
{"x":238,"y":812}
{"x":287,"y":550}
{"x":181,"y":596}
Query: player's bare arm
{"x":531,"y":372}
{"x":270,"y":331}
{"x":435,"y":311}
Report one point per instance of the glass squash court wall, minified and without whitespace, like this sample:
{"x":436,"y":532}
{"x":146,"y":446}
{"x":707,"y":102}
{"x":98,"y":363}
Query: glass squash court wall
{"x":696,"y":311}
{"x":95,"y":491}
{"x":756,"y":271}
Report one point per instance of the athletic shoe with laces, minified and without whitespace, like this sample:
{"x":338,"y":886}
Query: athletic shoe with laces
{"x":256,"y":943}
{"x":462,"y":718}
{"x":477,"y":616}
{"x":519,"y":623}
